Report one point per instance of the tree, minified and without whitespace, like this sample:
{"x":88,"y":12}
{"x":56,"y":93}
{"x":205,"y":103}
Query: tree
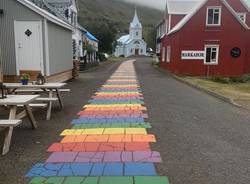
{"x":105,"y":34}
{"x":150,"y":38}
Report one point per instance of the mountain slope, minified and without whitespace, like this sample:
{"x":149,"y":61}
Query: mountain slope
{"x":116,"y":15}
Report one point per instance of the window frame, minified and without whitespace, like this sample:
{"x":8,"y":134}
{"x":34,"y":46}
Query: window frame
{"x":244,"y":14}
{"x":217,"y":54}
{"x":163,"y":54}
{"x":207,"y":17}
{"x":168,"y":54}
{"x":137,"y":42}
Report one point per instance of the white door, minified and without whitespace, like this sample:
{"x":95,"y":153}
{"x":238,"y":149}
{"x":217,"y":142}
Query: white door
{"x":29,"y":46}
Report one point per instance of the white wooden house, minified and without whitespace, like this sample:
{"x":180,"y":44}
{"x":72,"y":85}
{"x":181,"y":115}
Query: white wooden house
{"x":67,"y":11}
{"x":34,"y":40}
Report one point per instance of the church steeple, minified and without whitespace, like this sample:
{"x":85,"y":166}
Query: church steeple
{"x":135,"y":23}
{"x":135,"y":30}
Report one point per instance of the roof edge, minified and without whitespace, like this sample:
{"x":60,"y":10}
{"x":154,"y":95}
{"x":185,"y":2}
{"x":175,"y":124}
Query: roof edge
{"x":188,"y":17}
{"x":235,"y":14}
{"x":231,"y":10}
{"x":46,"y":14}
{"x":245,"y":5}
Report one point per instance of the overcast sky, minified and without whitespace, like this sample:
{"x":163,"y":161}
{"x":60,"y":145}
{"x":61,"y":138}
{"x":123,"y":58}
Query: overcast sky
{"x":159,"y":4}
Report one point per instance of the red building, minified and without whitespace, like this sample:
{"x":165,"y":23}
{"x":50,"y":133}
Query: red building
{"x":206,"y":38}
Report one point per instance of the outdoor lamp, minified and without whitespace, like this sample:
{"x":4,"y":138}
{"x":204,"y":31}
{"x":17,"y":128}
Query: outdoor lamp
{"x":3,"y":91}
{"x":40,"y":80}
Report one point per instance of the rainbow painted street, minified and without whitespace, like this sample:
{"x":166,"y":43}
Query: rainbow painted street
{"x":109,"y":143}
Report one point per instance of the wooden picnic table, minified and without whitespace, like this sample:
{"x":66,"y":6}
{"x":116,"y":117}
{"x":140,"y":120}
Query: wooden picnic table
{"x":13,"y":101}
{"x":49,"y":88}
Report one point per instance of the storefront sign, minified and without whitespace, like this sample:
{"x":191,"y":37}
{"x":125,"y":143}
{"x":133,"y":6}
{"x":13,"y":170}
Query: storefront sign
{"x":192,"y":54}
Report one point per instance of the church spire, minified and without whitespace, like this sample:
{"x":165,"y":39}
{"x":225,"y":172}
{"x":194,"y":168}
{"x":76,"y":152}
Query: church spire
{"x":135,"y":22}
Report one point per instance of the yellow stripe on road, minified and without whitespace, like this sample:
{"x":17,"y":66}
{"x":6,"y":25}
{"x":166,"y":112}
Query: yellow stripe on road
{"x":105,"y":131}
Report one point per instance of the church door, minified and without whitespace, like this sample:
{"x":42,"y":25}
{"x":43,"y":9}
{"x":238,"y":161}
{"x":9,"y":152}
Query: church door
{"x":136,"y":52}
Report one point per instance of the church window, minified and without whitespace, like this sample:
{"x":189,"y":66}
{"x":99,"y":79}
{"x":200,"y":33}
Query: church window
{"x":136,"y":42}
{"x":137,"y":33}
{"x":131,"y":50}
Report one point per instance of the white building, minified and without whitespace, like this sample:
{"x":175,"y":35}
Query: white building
{"x":65,"y":10}
{"x":132,"y":44}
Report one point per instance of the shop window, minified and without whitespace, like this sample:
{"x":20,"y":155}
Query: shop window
{"x":213,"y":16}
{"x":212,"y":54}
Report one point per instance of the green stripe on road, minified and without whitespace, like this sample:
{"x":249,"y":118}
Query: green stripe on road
{"x":101,"y":180}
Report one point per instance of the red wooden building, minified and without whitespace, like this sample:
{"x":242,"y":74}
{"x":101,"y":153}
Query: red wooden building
{"x":206,"y":38}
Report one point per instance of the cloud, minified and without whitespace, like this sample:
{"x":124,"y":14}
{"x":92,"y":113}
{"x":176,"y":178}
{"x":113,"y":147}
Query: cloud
{"x":158,"y":4}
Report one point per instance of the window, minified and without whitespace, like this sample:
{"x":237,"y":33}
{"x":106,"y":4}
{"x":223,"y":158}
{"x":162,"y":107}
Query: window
{"x":212,"y":54}
{"x":137,"y":42}
{"x":242,"y":16}
{"x":213,"y":16}
{"x":137,"y":33}
{"x":168,"y":54}
{"x":163,"y":54}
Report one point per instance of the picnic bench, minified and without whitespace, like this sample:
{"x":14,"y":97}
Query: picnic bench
{"x":12,"y":102}
{"x":8,"y":126}
{"x":52,"y":89}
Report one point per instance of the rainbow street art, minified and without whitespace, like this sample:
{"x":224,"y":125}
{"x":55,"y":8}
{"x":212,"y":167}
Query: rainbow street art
{"x":108,"y":143}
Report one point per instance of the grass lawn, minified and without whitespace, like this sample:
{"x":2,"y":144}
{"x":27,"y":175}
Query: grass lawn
{"x":238,"y":92}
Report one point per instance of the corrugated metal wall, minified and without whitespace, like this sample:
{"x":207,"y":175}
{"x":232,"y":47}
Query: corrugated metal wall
{"x":13,"y":10}
{"x":60,"y":48}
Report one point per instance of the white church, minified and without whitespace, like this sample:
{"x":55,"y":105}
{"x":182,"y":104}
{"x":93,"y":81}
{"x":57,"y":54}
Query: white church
{"x":132,"y":44}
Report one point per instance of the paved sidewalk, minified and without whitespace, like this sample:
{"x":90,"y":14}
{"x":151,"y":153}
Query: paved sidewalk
{"x":108,"y":143}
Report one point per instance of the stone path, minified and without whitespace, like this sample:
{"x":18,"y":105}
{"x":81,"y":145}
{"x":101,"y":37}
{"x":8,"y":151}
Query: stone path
{"x":108,"y":143}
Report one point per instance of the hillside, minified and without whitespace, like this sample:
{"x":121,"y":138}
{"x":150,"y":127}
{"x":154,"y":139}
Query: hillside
{"x":116,"y":15}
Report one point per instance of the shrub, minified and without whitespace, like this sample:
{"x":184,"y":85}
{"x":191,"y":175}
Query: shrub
{"x":25,"y":76}
{"x":154,"y":63}
{"x":101,"y":56}
{"x":223,"y":80}
{"x":238,"y":79}
{"x":227,"y":80}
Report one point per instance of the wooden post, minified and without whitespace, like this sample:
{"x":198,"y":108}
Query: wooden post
{"x":49,"y":105}
{"x":31,"y":116}
{"x":9,"y":130}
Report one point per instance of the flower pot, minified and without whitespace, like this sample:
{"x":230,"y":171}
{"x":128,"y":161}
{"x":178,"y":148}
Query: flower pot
{"x":25,"y":81}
